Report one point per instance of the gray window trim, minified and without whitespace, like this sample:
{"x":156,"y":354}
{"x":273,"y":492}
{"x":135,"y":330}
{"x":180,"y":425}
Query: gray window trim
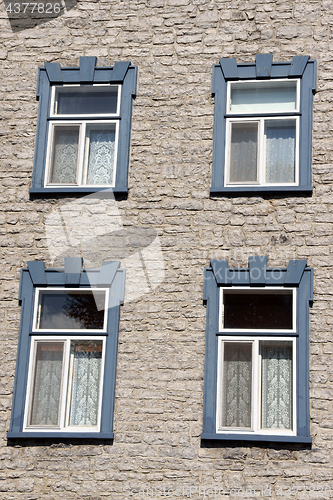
{"x":263,"y":69}
{"x":108,"y":276}
{"x":52,"y":74}
{"x":257,"y":274}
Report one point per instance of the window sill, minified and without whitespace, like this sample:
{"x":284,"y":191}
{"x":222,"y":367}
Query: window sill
{"x":60,"y":435}
{"x":48,"y":192}
{"x":257,"y":190}
{"x":268,"y":438}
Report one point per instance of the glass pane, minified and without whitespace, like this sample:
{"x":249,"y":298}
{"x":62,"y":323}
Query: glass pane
{"x":101,"y":155}
{"x":86,"y":362}
{"x":263,"y":97}
{"x":280,"y":150}
{"x":243,"y":152}
{"x":47,"y":384}
{"x":276,"y":385}
{"x":61,"y":310}
{"x":86,"y":101}
{"x":65,"y":153}
{"x":237,"y":382}
{"x":258,"y":310}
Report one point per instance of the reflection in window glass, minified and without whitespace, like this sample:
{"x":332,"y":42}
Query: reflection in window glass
{"x":261,"y":97}
{"x":70,"y":310}
{"x":258,"y":310}
{"x":87,"y":101}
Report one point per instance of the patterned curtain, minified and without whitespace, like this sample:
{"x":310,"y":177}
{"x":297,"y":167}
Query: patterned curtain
{"x":85,"y":384}
{"x":243,"y":154}
{"x":276,"y":385}
{"x":47,"y":384}
{"x":280,"y":151}
{"x":65,"y":152}
{"x":237,"y":381}
{"x":101,"y":156}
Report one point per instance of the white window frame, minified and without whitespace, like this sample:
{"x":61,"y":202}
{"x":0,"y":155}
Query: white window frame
{"x":65,"y":384}
{"x":260,"y":119}
{"x":262,"y":290}
{"x":269,"y":83}
{"x":256,"y":387}
{"x":82,"y":120}
{"x":79,"y":290}
{"x":76,"y":87}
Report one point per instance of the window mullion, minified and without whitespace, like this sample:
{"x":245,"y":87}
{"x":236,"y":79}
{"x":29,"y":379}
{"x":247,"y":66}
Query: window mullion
{"x":255,"y":384}
{"x":220,"y":382}
{"x":49,"y":153}
{"x":294,"y":386}
{"x":227,"y":151}
{"x":85,"y":159}
{"x":262,"y":151}
{"x":79,"y":178}
{"x":29,"y":394}
{"x":64,"y":383}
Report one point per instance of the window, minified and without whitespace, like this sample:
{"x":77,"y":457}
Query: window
{"x":256,"y":374}
{"x":256,"y":370}
{"x":67,"y":347}
{"x":64,"y":384}
{"x":263,"y":125}
{"x":83,"y":130}
{"x":83,"y":152}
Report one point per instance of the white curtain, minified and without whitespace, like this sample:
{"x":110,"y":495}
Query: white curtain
{"x":101,"y":156}
{"x":243,"y":154}
{"x":237,"y":381}
{"x":47,"y":384}
{"x":65,"y":152}
{"x":276,"y":386}
{"x":280,"y":151}
{"x":85,"y":385}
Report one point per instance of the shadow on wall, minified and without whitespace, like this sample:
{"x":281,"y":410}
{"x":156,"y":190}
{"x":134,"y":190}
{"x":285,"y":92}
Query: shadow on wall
{"x":28,"y":14}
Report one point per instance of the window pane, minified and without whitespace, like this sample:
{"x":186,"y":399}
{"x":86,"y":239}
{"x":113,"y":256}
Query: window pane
{"x":261,"y":97}
{"x":101,"y":154}
{"x":65,"y":153}
{"x":280,"y":150}
{"x":243,"y":152}
{"x":276,"y":385}
{"x":61,"y":310}
{"x":258,"y":310}
{"x":86,"y":362}
{"x":87,"y":101}
{"x":237,"y":382}
{"x":47,"y":384}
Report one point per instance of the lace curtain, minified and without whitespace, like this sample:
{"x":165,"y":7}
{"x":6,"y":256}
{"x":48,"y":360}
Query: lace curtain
{"x":85,"y":386}
{"x":101,"y":156}
{"x":277,"y":384}
{"x":237,"y":381}
{"x":280,"y":151}
{"x":65,"y":153}
{"x":47,"y":384}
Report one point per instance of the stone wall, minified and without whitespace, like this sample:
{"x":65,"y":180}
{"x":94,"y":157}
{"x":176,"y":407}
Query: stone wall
{"x":159,"y":385}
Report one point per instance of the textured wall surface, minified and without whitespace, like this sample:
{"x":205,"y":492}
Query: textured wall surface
{"x":159,"y":385}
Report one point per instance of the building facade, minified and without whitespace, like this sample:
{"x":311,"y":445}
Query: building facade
{"x":191,"y":102}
